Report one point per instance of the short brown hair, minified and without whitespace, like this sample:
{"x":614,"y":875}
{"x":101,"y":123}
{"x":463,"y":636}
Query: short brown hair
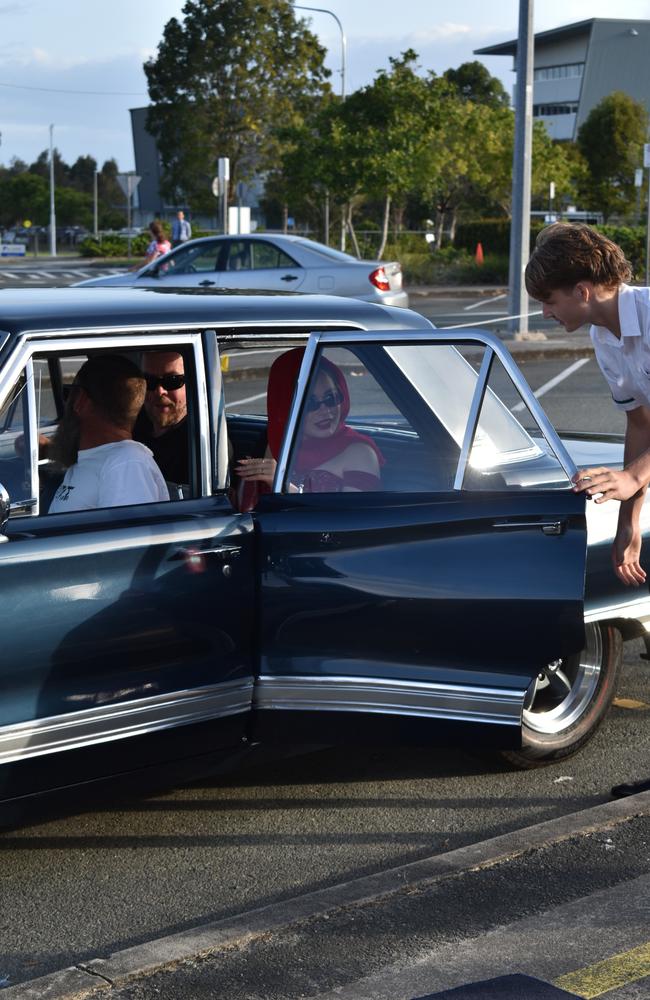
{"x":566,"y":253}
{"x":116,"y":386}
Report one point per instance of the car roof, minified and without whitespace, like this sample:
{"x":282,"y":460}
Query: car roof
{"x":54,"y":310}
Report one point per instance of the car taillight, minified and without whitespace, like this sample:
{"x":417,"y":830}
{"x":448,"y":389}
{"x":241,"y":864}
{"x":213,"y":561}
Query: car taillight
{"x":379,"y":279}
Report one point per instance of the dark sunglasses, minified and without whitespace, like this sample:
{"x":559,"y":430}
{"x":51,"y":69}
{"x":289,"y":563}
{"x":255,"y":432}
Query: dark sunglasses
{"x":168,"y":382}
{"x":330,"y":400}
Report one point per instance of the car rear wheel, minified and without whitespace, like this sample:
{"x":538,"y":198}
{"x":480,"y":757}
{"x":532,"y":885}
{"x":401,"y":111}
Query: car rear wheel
{"x":569,"y":699}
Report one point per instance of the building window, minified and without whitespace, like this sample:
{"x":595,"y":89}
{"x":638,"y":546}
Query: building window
{"x":548,"y":110}
{"x":559,"y":72}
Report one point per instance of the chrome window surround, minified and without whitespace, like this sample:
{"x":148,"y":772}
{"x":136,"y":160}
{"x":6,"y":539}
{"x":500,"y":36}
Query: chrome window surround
{"x":104,"y":723}
{"x":494,"y":348}
{"x":32,"y":344}
{"x":454,"y":702}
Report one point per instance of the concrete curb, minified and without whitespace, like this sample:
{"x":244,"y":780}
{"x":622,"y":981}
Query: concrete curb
{"x":91,"y":978}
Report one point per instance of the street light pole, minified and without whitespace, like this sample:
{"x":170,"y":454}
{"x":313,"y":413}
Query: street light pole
{"x":324,"y":10}
{"x":521,"y":170}
{"x":52,"y":209}
{"x":95,"y":207}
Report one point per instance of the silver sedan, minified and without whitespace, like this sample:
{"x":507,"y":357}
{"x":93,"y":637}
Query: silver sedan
{"x":268,"y":263}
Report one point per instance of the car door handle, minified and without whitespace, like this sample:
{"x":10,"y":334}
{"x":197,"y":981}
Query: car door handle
{"x":205,"y":283}
{"x":220,"y":551}
{"x":548,"y":527}
{"x":289,"y":277}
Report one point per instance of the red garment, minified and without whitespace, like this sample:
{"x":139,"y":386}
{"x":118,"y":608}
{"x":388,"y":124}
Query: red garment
{"x":313,"y":452}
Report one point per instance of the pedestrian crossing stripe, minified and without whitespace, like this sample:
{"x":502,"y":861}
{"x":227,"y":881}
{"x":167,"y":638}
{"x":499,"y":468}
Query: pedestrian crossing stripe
{"x":610,"y":974}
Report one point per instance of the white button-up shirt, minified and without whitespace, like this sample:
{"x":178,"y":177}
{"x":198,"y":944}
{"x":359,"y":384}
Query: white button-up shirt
{"x":625,"y":362}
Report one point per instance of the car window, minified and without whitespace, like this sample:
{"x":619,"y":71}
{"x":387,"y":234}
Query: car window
{"x":14,"y":456}
{"x":166,"y":424}
{"x":191,"y":260}
{"x":266,"y":255}
{"x":239,"y":256}
{"x":407,"y":407}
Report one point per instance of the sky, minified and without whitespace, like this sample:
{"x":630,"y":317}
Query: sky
{"x":77,"y":64}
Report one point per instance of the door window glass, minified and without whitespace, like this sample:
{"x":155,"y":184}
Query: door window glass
{"x":191,"y":260}
{"x":239,"y":256}
{"x":14,"y":451}
{"x":408,"y":415}
{"x":266,"y":255}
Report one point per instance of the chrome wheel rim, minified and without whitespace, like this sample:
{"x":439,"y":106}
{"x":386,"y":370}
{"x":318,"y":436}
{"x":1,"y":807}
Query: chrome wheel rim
{"x":562,"y":692}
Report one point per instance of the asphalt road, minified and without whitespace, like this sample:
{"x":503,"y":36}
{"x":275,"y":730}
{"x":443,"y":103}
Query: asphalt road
{"x":91,"y":883}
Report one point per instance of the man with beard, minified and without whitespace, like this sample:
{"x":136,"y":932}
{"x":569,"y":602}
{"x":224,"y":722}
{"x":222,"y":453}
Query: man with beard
{"x":105,"y":466}
{"x":162,"y":425}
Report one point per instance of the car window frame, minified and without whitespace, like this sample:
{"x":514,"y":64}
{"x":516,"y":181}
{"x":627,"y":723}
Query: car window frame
{"x":201,"y":450}
{"x":493,"y":349}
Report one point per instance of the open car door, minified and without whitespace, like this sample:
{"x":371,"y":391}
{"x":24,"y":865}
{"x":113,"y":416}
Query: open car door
{"x":435,"y":603}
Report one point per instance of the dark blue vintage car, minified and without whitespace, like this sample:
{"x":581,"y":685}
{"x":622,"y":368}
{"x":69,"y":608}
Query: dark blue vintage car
{"x":444,"y":605}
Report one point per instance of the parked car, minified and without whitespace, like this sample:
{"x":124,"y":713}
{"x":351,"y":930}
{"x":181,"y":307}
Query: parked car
{"x":268,"y":263}
{"x":445,"y":606}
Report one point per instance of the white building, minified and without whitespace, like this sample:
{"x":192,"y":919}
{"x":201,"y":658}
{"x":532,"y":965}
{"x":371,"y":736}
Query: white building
{"x":579,"y":64}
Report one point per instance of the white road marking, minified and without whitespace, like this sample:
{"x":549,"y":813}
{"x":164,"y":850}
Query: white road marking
{"x":463,"y":326}
{"x":250,"y":399}
{"x":543,"y":389}
{"x":493,"y":298}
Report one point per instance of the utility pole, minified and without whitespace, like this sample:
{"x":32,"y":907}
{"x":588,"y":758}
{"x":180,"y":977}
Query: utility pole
{"x":521,"y":170}
{"x":52,"y":208}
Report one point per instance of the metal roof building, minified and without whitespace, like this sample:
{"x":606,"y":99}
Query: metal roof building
{"x":579,"y":64}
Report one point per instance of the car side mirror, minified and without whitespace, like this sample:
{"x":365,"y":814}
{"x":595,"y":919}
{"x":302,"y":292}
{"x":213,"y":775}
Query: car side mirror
{"x":4,"y":512}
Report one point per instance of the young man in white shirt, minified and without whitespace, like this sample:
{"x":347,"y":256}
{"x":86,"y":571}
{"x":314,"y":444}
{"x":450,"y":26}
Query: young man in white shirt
{"x":105,"y":466}
{"x":580,"y":277}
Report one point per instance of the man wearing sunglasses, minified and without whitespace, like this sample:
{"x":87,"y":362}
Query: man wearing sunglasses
{"x":162,"y":425}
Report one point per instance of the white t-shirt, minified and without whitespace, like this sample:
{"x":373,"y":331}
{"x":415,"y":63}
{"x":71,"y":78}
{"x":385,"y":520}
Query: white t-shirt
{"x":625,"y":363}
{"x":111,"y":475}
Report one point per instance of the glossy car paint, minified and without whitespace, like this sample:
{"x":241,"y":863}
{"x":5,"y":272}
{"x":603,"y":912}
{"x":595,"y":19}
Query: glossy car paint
{"x":394,"y":614}
{"x":316,"y":270}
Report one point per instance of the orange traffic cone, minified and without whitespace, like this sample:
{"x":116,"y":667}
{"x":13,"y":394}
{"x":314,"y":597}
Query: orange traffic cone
{"x":478,"y":256}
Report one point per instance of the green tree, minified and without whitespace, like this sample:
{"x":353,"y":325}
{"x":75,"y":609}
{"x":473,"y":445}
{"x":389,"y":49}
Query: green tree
{"x":82,"y":173}
{"x":473,"y":81}
{"x":23,"y":196}
{"x":222,"y":80}
{"x":41,"y":167}
{"x":611,"y":140}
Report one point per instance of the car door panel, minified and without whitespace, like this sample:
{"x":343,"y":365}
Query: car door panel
{"x":437,"y":608}
{"x":434,"y":595}
{"x":134,"y":621}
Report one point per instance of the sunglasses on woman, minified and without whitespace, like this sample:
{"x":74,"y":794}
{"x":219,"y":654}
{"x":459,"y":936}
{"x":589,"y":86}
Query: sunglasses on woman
{"x":331,"y":400}
{"x":168,"y":382}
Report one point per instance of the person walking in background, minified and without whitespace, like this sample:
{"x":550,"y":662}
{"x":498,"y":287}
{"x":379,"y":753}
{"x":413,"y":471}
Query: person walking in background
{"x":159,"y":243}
{"x":181,"y":229}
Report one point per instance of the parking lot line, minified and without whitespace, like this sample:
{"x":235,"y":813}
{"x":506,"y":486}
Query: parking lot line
{"x":493,"y":298}
{"x":610,"y":974}
{"x":543,"y":389}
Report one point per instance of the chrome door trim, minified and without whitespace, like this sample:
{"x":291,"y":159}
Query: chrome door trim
{"x":441,"y":336}
{"x":77,"y":730}
{"x":455,"y":702}
{"x":472,"y":418}
{"x":638,"y":610}
{"x":33,"y":344}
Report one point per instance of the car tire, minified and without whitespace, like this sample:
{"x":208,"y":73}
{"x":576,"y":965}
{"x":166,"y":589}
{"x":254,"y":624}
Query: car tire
{"x":568,"y":702}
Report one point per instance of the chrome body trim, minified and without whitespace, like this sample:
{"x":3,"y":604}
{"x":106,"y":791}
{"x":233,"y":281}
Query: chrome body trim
{"x":455,"y":702}
{"x":460,"y":335}
{"x":472,"y":418}
{"x":31,"y":344}
{"x":76,"y":730}
{"x":638,"y":610}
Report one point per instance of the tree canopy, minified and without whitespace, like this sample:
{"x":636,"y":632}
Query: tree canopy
{"x":611,"y":140}
{"x":222,"y":81}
